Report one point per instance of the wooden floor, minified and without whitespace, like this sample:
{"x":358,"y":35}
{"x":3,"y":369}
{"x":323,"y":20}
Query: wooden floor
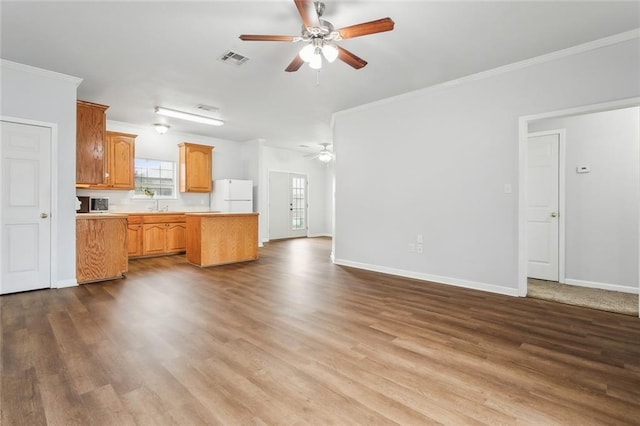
{"x":292,"y":338}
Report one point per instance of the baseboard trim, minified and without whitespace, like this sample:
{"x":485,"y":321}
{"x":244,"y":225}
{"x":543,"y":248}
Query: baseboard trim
{"x":65,"y":284}
{"x":601,"y":286}
{"x":320,"y":235}
{"x":474,"y":285}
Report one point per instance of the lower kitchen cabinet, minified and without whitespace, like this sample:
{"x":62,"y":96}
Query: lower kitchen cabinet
{"x":134,"y":236}
{"x":101,"y":247}
{"x":157,"y":234}
{"x":176,"y":237}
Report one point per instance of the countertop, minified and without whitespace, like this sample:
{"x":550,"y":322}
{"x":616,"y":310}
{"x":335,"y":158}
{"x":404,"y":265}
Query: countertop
{"x":147,"y":213}
{"x":218,"y":214}
{"x":101,"y":215}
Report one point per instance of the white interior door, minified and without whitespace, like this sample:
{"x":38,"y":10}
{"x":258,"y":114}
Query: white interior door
{"x":287,"y":205}
{"x":542,"y":207}
{"x":25,"y":189}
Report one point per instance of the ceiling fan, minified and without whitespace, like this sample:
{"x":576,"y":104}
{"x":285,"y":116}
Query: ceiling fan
{"x":324,"y":155}
{"x":320,"y":35}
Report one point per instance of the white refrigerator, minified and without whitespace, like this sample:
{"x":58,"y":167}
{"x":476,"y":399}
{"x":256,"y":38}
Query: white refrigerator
{"x":232,"y":196}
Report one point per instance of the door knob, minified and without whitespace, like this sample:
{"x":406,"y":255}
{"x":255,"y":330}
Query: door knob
{"x":554,"y":214}
{"x":44,"y":215}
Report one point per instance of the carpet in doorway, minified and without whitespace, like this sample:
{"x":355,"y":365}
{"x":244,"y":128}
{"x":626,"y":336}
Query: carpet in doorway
{"x":604,"y":300}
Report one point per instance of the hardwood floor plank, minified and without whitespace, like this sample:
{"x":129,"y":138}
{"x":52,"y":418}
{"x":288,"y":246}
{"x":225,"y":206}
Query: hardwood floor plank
{"x":21,"y":401}
{"x":294,"y":339}
{"x":105,"y":407}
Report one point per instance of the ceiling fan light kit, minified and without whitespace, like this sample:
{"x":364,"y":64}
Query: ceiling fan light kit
{"x":325,"y":156}
{"x":320,"y":36}
{"x":188,"y":116}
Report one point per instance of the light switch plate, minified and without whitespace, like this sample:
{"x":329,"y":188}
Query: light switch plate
{"x":583,"y":169}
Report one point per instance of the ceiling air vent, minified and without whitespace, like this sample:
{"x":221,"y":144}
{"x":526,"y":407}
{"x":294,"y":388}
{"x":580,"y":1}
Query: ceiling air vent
{"x":233,"y":58}
{"x":207,"y":108}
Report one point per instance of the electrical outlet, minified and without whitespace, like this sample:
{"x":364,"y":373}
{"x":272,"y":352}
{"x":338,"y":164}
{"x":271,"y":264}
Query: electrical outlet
{"x":412,"y":248}
{"x":419,"y":248}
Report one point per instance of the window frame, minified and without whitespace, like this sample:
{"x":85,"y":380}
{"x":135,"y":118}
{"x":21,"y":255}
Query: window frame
{"x":174,"y":180}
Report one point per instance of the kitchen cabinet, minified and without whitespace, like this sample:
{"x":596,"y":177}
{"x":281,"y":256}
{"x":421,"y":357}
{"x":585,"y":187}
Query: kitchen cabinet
{"x":157,"y":234}
{"x":101,"y":247}
{"x":134,"y":236}
{"x":119,"y":156}
{"x":120,"y":160}
{"x":195,"y":167}
{"x":91,"y":122}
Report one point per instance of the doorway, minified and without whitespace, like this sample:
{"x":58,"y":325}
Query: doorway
{"x":288,"y":205}
{"x":25,"y":191}
{"x":523,"y":246}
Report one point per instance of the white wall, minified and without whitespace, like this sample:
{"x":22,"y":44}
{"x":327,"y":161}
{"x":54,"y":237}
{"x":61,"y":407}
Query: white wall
{"x":227,"y":164}
{"x":252,"y":170}
{"x":43,"y":96}
{"x":435,"y":162}
{"x":283,"y":160}
{"x":601,"y":211}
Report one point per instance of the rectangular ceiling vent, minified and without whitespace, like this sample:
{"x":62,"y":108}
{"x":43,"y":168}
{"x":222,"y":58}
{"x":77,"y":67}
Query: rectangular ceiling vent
{"x":207,"y":108}
{"x":233,"y":58}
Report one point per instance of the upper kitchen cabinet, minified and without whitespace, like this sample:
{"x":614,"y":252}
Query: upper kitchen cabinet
{"x":195,"y":167}
{"x":91,"y":128}
{"x":120,"y":154}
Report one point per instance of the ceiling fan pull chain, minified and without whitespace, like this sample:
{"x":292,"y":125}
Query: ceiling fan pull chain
{"x":317,"y":78}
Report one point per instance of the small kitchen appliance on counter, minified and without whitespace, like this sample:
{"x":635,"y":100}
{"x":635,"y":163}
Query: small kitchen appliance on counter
{"x":99,"y":205}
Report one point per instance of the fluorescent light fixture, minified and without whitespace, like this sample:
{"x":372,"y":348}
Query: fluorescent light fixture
{"x":161,"y":128}
{"x":188,"y":116}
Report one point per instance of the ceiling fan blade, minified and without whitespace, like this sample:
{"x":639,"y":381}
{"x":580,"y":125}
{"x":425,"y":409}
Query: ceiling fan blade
{"x":295,"y":64}
{"x":350,"y":59}
{"x":259,"y":37}
{"x":307,"y":10}
{"x":366,"y":28}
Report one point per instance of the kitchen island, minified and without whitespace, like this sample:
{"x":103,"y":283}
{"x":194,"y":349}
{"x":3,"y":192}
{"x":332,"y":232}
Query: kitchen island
{"x":221,"y":238}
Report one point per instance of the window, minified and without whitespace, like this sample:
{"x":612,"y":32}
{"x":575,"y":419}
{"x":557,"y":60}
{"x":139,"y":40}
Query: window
{"x":155,"y":177}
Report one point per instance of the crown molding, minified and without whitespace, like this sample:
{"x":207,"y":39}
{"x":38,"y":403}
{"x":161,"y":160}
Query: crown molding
{"x":42,"y":72}
{"x":559,"y":54}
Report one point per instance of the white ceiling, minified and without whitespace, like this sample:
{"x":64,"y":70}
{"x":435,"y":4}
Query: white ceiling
{"x":134,"y":56}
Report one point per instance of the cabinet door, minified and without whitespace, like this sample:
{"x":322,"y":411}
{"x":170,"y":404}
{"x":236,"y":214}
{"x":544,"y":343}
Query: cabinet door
{"x":120,"y":157}
{"x":100,"y":249}
{"x":176,"y":237}
{"x":134,"y":239}
{"x":154,"y":238}
{"x":195,"y":167}
{"x":90,"y":140}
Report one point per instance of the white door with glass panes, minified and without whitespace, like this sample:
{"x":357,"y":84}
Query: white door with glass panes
{"x":287,"y":205}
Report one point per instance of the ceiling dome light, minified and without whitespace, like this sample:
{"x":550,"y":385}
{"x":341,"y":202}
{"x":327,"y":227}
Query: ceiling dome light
{"x":316,"y":61}
{"x":330,"y":52}
{"x":161,"y":128}
{"x":307,"y":52}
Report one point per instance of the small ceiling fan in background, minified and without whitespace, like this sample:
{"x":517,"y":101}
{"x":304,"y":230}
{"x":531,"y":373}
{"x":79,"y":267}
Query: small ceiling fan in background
{"x":320,"y":37}
{"x":324,"y":155}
